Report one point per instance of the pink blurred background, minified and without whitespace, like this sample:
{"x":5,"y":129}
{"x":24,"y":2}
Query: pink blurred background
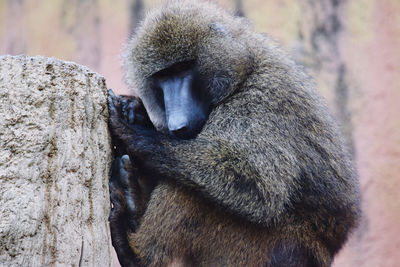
{"x":351,"y":48}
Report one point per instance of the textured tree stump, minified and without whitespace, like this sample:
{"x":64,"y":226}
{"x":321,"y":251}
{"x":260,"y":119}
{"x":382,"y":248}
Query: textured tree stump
{"x":55,"y":156}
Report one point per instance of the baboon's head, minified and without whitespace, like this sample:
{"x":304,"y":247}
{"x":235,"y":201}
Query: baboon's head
{"x":183,"y":61}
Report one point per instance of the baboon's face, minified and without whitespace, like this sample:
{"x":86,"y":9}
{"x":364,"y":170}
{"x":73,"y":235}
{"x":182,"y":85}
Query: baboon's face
{"x":180,"y":91}
{"x":183,"y":66}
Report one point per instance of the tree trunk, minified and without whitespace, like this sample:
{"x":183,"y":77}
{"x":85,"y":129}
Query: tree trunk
{"x":55,"y":157}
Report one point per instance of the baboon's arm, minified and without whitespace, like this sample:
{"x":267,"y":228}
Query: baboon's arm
{"x":213,"y":167}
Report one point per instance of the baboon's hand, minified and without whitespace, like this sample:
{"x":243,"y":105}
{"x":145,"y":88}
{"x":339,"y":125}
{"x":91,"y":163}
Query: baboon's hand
{"x":125,"y":210}
{"x":122,"y":193}
{"x":133,"y":111}
{"x":129,"y":108}
{"x":129,"y":124}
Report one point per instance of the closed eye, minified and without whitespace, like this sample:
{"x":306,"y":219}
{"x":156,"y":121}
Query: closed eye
{"x":175,"y":69}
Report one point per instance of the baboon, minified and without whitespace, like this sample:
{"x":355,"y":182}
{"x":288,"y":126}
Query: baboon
{"x":233,"y":157}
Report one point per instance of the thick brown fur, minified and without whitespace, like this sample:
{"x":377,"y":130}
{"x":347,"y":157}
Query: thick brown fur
{"x":266,"y":179}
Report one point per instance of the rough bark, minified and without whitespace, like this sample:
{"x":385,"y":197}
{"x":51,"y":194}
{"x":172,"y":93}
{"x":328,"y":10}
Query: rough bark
{"x":55,"y":156}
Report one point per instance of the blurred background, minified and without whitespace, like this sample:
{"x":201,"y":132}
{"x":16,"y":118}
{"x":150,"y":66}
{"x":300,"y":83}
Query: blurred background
{"x":350,"y":47}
